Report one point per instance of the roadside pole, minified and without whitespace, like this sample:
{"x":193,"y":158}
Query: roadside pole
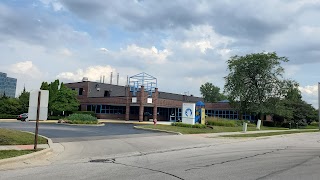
{"x":37,"y":121}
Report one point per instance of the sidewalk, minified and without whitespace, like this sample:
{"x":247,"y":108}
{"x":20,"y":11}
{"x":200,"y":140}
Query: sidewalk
{"x":23,"y":147}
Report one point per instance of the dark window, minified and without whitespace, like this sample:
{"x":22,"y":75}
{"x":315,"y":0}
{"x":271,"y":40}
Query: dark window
{"x":89,"y":107}
{"x":73,"y":89}
{"x":80,"y":91}
{"x":106,"y":93}
{"x":98,"y":109}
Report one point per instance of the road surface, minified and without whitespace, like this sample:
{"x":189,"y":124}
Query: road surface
{"x":178,"y":157}
{"x":67,"y":133}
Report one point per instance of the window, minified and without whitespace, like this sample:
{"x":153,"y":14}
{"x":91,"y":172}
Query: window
{"x":106,"y":93}
{"x":80,"y":91}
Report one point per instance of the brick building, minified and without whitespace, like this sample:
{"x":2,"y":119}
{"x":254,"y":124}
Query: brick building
{"x":122,"y":102}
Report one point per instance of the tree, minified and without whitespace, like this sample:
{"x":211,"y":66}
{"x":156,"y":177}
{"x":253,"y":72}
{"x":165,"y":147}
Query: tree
{"x":61,"y":98}
{"x":65,"y":100}
{"x":44,"y":86}
{"x":211,"y":93}
{"x":9,"y":106}
{"x":24,"y":101}
{"x":253,"y":80}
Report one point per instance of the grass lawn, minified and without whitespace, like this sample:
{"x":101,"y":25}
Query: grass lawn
{"x":216,"y":129}
{"x":269,"y":133}
{"x":13,"y":153}
{"x":14,"y":137}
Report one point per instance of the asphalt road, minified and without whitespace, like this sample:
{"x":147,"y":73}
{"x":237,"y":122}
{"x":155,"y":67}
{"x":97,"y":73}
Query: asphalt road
{"x":180,"y":157}
{"x":65,"y":133}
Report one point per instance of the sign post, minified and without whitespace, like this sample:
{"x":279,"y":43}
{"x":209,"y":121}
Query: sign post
{"x":38,"y":109}
{"x":37,"y":122}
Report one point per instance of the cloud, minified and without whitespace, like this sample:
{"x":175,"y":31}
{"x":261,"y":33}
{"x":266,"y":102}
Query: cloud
{"x":66,"y":52}
{"x":104,"y":50}
{"x":93,"y":73}
{"x":310,"y":94}
{"x":26,"y":68}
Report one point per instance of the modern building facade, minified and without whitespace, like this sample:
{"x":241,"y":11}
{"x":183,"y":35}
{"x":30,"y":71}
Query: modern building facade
{"x":140,"y":101}
{"x":8,"y":85}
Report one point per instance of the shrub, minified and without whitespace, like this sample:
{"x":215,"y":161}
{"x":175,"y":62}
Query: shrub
{"x":85,"y":112}
{"x":54,"y":117}
{"x":314,"y":123}
{"x":201,"y":126}
{"x":81,"y":119}
{"x":8,"y":116}
{"x":222,"y":123}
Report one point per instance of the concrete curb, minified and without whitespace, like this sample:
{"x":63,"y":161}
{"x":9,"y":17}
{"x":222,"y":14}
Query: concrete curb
{"x":266,"y":136}
{"x":31,"y":155}
{"x":91,"y":125}
{"x":160,"y":130}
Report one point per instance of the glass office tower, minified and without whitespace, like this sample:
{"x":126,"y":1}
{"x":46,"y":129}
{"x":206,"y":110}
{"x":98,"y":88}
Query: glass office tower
{"x":7,"y":85}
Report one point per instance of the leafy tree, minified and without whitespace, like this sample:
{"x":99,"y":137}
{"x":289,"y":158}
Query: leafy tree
{"x":44,"y":86}
{"x":211,"y":93}
{"x":61,"y":98}
{"x":253,"y":80}
{"x":24,"y":101}
{"x":292,"y":108}
{"x":65,"y":100}
{"x":9,"y":106}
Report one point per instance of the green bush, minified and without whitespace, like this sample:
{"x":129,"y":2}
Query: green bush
{"x":54,"y":117}
{"x":314,"y":123}
{"x":201,"y":126}
{"x":222,"y":123}
{"x":82,"y":122}
{"x":85,"y":112}
{"x":8,"y":116}
{"x":81,"y":119}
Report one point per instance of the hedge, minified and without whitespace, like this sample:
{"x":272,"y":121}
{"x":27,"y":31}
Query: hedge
{"x":54,"y":117}
{"x":85,"y":112}
{"x":81,"y":119}
{"x":201,"y":126}
{"x":8,"y":116}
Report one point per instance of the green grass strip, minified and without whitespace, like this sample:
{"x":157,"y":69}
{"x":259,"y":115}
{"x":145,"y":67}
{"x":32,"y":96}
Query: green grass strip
{"x":14,"y":137}
{"x":13,"y":153}
{"x":268,"y":134}
{"x":214,"y":129}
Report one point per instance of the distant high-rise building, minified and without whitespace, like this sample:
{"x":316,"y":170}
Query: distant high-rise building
{"x":8,"y":85}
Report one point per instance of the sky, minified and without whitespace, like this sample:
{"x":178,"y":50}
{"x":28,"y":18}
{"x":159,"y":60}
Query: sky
{"x":183,"y":43}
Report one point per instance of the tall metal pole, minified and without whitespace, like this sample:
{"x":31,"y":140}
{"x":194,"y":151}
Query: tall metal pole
{"x":319,"y":104}
{"x":37,"y":121}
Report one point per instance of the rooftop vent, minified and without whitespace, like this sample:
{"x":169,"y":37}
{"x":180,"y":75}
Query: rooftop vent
{"x":84,"y":79}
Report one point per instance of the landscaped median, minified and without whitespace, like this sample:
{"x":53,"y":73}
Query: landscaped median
{"x":16,"y":143}
{"x":220,"y":126}
{"x":81,"y":119}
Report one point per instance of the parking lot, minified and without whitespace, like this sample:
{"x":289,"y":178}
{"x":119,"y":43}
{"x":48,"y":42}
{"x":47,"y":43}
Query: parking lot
{"x":66,"y":133}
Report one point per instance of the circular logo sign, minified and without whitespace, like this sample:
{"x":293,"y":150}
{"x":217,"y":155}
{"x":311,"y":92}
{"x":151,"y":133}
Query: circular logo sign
{"x":188,"y":112}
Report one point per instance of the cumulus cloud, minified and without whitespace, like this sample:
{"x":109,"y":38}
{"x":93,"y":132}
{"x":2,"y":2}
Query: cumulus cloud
{"x":310,"y":94}
{"x":104,"y":50}
{"x":93,"y":73}
{"x":26,"y":68}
